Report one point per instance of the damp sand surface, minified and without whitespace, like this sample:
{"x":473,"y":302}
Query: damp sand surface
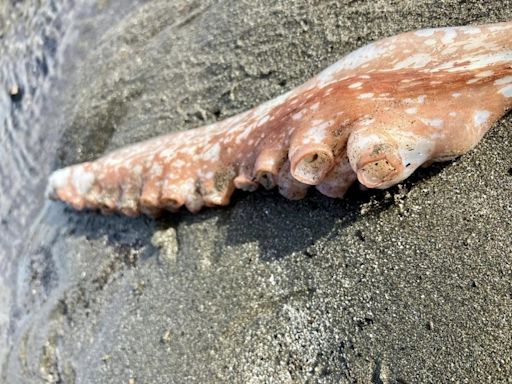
{"x":411,"y":285}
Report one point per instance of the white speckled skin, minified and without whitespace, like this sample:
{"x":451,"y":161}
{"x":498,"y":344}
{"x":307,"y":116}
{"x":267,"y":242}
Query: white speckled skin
{"x":376,"y":115}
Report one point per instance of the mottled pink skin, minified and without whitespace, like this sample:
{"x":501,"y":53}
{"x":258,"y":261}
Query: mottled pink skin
{"x":376,"y":115}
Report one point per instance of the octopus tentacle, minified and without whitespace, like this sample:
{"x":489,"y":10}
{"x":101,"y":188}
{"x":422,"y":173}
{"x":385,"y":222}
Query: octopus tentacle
{"x":376,"y":116}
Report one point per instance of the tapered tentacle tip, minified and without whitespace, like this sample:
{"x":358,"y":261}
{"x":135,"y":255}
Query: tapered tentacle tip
{"x":56,"y":182}
{"x":311,"y":163}
{"x":70,"y":185}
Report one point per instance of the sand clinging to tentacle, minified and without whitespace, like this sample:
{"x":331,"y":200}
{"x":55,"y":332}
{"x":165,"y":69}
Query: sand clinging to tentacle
{"x":375,"y":116}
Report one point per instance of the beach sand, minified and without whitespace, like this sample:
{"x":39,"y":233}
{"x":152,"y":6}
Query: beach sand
{"x":410,"y":285}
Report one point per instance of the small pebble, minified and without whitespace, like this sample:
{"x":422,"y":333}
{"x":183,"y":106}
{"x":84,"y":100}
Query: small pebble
{"x":16,"y":93}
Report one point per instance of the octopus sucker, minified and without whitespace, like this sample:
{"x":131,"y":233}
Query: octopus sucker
{"x":339,"y":179}
{"x":288,"y":186}
{"x":374,"y":116}
{"x":267,"y":166}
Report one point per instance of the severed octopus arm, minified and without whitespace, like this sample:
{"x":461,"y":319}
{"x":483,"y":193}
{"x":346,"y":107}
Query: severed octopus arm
{"x":376,"y":116}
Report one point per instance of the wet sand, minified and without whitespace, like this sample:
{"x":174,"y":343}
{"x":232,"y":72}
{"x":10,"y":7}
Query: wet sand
{"x":411,"y":285}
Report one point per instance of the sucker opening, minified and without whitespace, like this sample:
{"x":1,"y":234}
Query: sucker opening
{"x":266,"y":179}
{"x":374,"y":173}
{"x":312,"y":167}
